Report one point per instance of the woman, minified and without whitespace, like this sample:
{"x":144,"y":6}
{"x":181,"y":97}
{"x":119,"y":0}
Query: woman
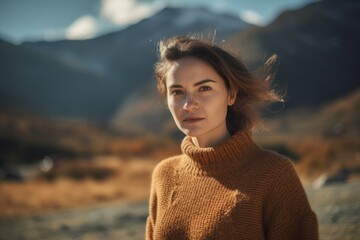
{"x":223,"y":186}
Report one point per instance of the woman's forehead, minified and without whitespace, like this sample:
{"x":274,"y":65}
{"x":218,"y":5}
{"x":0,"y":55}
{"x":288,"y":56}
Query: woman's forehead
{"x":190,"y":69}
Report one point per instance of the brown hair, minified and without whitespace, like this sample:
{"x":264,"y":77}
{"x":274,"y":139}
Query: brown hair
{"x":253,"y":90}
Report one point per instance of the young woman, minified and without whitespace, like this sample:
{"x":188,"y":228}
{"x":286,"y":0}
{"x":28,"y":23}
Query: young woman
{"x":223,"y":186}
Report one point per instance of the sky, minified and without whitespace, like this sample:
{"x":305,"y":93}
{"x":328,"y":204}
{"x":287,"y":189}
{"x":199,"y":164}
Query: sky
{"x":50,"y":20}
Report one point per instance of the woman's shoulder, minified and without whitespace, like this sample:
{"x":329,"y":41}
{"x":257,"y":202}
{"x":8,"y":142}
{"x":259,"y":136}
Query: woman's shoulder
{"x":275,"y":159}
{"x":278,"y":175}
{"x":271,"y":163}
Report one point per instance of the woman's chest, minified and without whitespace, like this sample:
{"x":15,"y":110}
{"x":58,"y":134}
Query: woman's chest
{"x":205,"y":208}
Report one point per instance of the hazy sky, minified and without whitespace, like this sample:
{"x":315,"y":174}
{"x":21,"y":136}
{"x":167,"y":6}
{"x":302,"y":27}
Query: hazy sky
{"x":22,"y":20}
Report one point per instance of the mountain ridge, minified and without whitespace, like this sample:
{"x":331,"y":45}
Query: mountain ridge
{"x":316,"y":45}
{"x":119,"y":63}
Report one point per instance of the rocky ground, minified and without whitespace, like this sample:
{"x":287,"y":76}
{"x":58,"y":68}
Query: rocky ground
{"x":106,"y":222}
{"x":338,"y":210}
{"x":337,"y":207}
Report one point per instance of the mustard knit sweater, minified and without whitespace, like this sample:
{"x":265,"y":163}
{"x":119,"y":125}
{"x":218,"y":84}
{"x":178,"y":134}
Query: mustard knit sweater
{"x":235,"y":190}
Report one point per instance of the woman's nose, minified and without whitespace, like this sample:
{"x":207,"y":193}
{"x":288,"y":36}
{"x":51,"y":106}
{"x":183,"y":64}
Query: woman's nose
{"x":190,"y":104}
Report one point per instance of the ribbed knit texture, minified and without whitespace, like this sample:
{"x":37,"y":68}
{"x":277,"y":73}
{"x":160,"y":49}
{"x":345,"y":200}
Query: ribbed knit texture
{"x":235,"y":190}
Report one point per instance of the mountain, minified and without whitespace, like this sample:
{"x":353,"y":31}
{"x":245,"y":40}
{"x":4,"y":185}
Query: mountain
{"x":318,"y":52}
{"x":36,"y":83}
{"x":90,"y":79}
{"x":318,"y":49}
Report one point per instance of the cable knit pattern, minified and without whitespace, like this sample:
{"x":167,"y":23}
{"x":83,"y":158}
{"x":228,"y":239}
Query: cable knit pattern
{"x":235,"y":190}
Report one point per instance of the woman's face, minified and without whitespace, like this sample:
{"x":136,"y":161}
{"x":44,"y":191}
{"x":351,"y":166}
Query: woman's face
{"x":198,"y":99}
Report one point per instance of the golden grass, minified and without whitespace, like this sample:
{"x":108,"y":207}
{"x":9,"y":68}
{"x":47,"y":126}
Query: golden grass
{"x":130,"y":183}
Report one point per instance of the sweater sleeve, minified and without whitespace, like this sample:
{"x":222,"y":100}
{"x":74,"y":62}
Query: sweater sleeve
{"x":151,"y":219}
{"x":149,"y":229}
{"x":288,"y":214}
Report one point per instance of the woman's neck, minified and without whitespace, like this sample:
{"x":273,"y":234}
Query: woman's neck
{"x":206,"y":141}
{"x":227,"y":156}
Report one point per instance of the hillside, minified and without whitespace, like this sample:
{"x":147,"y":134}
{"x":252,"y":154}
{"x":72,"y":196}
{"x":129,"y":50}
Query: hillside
{"x":32,"y":82}
{"x":318,"y":139}
{"x":318,"y":50}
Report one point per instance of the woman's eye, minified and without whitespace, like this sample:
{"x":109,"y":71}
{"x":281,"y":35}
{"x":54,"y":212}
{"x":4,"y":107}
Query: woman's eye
{"x":204,"y":88}
{"x":176,"y":92}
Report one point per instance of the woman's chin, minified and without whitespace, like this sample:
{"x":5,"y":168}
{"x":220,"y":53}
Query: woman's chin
{"x":191,"y":133}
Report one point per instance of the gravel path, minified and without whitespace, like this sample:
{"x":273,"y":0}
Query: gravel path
{"x":337,"y":207}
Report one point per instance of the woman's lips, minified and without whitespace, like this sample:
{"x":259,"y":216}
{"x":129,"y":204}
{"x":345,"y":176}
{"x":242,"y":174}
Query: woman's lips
{"x":193,"y":119}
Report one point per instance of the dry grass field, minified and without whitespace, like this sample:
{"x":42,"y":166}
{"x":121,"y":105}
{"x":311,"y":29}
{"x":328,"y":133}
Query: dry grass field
{"x":84,"y":183}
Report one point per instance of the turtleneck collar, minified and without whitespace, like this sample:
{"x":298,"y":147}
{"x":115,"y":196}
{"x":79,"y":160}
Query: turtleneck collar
{"x":230,"y":155}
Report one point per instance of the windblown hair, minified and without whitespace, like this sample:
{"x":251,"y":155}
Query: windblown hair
{"x":253,"y":90}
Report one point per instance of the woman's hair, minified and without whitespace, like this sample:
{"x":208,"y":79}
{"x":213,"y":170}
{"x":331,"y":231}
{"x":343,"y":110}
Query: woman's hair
{"x":253,"y":90}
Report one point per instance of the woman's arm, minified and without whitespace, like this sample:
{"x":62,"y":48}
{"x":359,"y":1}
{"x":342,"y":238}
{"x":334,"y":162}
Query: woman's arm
{"x":150,"y":222}
{"x":288,"y":214}
{"x":149,"y":229}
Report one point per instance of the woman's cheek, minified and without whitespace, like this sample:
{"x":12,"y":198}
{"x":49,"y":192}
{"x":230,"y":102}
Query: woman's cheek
{"x":174,"y":109}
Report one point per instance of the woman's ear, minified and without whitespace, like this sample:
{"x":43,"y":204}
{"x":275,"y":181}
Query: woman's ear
{"x":232,"y":97}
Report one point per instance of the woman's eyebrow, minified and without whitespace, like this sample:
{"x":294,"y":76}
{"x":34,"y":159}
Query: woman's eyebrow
{"x":175,"y":86}
{"x":195,"y":84}
{"x":203,"y":81}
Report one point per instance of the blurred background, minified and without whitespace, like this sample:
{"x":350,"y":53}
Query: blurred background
{"x":82,"y":127}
